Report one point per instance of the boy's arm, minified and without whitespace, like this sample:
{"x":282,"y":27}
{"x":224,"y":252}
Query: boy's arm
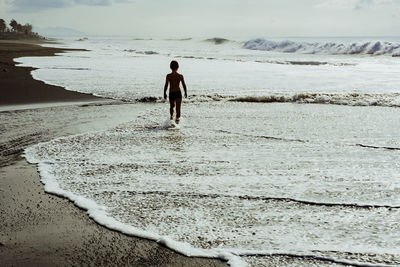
{"x":166,"y":87}
{"x":184,"y":86}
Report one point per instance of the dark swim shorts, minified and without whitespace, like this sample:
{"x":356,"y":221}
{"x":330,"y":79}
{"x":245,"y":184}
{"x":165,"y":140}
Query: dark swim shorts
{"x":175,"y":95}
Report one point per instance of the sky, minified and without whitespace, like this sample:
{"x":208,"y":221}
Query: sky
{"x":209,"y":18}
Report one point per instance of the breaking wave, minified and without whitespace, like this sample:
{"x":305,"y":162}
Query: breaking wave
{"x":353,"y":99}
{"x":367,"y":48}
{"x":179,"y":39}
{"x":379,"y":147}
{"x":147,"y":52}
{"x":217,"y":40}
{"x":304,"y":63}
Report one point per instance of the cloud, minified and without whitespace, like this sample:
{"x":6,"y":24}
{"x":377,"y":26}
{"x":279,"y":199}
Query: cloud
{"x":361,"y":4}
{"x":37,"y":5}
{"x":337,"y":4}
{"x":355,"y":4}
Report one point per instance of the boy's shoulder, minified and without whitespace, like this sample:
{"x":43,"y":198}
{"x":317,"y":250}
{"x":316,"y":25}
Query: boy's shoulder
{"x":174,"y":74}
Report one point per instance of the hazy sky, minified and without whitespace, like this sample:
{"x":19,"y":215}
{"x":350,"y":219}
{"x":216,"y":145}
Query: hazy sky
{"x":208,"y":18}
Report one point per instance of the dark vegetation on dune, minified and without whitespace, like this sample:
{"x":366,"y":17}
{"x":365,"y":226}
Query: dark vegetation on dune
{"x":17,"y":31}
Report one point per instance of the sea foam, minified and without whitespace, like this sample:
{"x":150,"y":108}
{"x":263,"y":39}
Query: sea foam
{"x":350,"y":99}
{"x":99,"y":213}
{"x":237,"y":182}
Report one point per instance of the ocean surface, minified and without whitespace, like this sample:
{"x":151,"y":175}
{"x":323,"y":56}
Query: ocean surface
{"x":288,"y":152}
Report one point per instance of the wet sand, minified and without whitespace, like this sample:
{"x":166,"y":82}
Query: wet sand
{"x":16,"y":83}
{"x":39,"y":229}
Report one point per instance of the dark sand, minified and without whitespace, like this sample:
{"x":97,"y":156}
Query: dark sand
{"x":16,"y":83}
{"x":39,"y":229}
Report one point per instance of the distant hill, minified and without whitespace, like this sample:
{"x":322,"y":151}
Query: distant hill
{"x":59,"y":32}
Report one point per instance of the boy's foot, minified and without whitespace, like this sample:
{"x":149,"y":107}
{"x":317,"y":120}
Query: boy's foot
{"x":172,"y":118}
{"x":177,"y":120}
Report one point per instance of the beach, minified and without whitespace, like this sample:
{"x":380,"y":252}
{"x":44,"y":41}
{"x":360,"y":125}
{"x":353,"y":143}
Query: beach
{"x":41,"y":229}
{"x":280,"y":158}
{"x":283,"y":149}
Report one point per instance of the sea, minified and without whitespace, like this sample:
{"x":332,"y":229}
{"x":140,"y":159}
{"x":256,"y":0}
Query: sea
{"x":287,"y":154}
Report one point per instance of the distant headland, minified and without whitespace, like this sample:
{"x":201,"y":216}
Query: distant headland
{"x":17,"y":31}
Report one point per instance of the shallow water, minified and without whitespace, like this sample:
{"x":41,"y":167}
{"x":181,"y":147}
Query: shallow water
{"x":24,"y":125}
{"x":272,"y":180}
{"x":241,"y":179}
{"x":129,"y":69}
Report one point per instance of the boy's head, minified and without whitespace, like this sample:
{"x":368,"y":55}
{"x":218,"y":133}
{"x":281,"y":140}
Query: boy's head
{"x":174,"y":65}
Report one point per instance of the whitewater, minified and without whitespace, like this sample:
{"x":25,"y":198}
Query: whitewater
{"x":283,"y":156}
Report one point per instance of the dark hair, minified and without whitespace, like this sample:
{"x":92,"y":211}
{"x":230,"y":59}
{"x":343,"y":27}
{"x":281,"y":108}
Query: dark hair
{"x":174,"y":65}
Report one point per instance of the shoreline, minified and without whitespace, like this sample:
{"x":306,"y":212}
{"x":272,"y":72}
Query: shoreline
{"x":40,"y":228}
{"x":17,"y":84}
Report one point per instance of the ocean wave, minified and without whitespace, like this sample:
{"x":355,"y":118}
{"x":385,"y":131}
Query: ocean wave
{"x":312,"y":63}
{"x":147,"y":52}
{"x":179,"y":39}
{"x":279,"y":62}
{"x":353,"y":99}
{"x":367,"y":48}
{"x":304,"y":63}
{"x":379,"y":147}
{"x":61,"y":68}
{"x":266,"y":199}
{"x":217,"y":40}
{"x":149,"y":99}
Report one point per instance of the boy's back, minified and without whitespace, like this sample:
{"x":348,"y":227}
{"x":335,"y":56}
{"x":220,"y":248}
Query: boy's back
{"x":175,"y":96}
{"x":174,"y":79}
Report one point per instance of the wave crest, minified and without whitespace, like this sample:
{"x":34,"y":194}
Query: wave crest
{"x":368,"y":48}
{"x":354,"y":99}
{"x":217,"y":40}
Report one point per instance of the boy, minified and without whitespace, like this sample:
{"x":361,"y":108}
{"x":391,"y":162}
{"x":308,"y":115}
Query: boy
{"x":175,"y":95}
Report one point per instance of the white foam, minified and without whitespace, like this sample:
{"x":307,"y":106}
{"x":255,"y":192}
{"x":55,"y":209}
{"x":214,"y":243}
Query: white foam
{"x":99,"y":214}
{"x":353,"y":99}
{"x":237,"y":176}
{"x":227,"y":185}
{"x":171,"y":124}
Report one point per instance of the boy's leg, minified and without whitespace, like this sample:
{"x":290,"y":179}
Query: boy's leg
{"x":178,"y":109}
{"x":171,"y":108}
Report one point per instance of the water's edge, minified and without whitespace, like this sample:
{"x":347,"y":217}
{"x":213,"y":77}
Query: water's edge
{"x":99,"y":214}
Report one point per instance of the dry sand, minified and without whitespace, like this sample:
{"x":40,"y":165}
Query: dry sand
{"x":38,"y":229}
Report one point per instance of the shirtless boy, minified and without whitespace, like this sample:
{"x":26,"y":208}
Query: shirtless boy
{"x":175,"y":95}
